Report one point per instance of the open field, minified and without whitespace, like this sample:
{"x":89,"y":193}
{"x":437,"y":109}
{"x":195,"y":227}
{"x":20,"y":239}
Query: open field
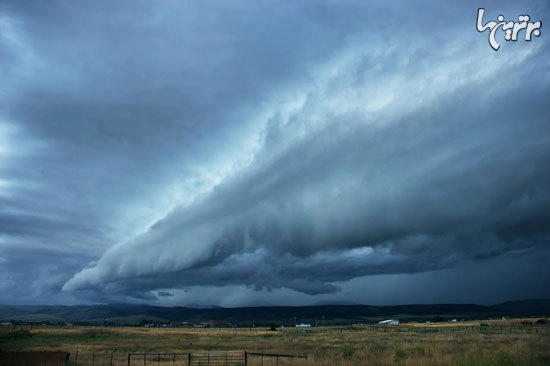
{"x":503,"y":342}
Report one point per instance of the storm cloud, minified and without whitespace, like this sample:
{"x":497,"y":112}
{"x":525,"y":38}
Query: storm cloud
{"x":173,"y":153}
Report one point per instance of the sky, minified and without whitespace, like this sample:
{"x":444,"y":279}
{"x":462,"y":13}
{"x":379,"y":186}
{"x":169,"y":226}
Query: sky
{"x":243,"y":153}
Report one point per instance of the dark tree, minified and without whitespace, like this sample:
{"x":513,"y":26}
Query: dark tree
{"x":273,"y":325}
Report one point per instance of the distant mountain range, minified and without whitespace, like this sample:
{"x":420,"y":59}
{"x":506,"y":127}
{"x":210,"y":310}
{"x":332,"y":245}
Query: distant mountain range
{"x":330,"y":314}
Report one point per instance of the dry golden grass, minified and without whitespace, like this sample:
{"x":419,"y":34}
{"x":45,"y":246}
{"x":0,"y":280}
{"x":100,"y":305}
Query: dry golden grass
{"x":503,"y":342}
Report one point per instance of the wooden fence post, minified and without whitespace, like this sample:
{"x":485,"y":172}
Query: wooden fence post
{"x":76,"y":358}
{"x":129,"y":356}
{"x":245,"y":358}
{"x":111,"y":363}
{"x":144,"y":358}
{"x":93,"y":358}
{"x":189,"y":358}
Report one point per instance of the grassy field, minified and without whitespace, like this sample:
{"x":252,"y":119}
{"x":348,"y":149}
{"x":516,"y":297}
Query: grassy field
{"x":503,"y":342}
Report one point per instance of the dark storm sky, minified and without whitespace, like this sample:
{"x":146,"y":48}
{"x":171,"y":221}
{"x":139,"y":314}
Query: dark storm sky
{"x":272,"y":152}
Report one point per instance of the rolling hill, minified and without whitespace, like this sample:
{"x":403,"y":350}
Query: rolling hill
{"x":332,"y":314}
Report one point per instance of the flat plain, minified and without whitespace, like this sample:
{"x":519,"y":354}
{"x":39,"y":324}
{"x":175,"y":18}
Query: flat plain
{"x":501,"y":342}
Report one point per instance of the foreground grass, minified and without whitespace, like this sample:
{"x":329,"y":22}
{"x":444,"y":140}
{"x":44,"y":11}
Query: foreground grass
{"x":502,"y":343}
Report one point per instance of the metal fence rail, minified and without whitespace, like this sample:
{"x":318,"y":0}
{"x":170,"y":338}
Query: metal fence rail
{"x":269,"y":356}
{"x":158,"y":358}
{"x":98,"y":358}
{"x":178,"y":358}
{"x":218,"y":357}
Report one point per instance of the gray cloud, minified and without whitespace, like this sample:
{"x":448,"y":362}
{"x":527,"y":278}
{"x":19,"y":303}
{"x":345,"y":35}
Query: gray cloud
{"x":189,"y":146}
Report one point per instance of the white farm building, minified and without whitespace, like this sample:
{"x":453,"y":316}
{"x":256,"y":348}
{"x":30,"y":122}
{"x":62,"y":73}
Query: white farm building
{"x":389,"y":322}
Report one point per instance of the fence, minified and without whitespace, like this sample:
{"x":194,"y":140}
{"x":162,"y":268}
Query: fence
{"x":186,"y":358}
{"x":98,"y":358}
{"x":207,"y":358}
{"x":268,"y":358}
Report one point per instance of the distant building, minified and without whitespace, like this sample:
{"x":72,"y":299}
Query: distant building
{"x":389,"y":322}
{"x":180,"y":324}
{"x":218,"y":324}
{"x":303,"y":325}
